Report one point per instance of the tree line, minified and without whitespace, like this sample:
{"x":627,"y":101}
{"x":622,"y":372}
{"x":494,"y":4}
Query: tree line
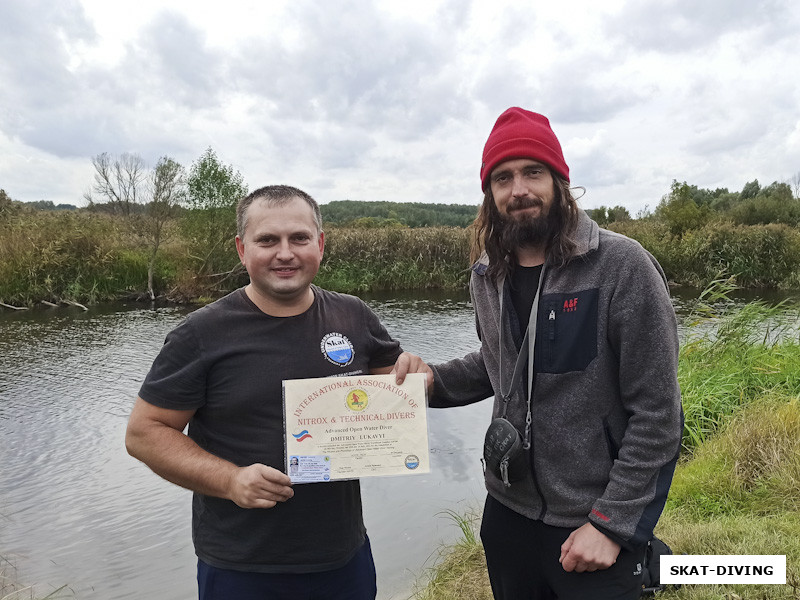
{"x":688,"y":207}
{"x":124,"y":186}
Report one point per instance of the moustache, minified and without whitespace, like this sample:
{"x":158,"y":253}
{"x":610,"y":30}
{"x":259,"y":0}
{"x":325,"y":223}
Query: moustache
{"x":524,"y":202}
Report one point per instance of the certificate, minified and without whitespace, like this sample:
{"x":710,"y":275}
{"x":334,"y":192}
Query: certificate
{"x":352,"y":427}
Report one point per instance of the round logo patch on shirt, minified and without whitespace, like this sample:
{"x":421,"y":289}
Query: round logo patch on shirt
{"x":337,"y":349}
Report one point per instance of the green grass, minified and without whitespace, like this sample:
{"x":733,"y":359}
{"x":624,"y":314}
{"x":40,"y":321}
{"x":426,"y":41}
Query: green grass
{"x":748,"y":353}
{"x":740,"y":494}
{"x":460,"y":571}
{"x":735,"y":535}
{"x":750,"y":468}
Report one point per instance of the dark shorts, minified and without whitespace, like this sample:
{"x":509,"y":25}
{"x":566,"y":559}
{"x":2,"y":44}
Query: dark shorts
{"x":522,"y":558}
{"x":353,"y":581}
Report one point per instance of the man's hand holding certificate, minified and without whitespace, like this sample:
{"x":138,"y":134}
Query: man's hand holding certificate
{"x":353,"y":427}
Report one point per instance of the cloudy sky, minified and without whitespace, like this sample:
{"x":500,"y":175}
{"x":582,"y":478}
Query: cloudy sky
{"x":369,"y":100}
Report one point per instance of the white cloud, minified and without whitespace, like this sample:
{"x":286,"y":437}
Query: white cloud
{"x":393,"y":101}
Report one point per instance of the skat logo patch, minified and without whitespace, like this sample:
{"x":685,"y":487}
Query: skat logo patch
{"x":337,"y":349}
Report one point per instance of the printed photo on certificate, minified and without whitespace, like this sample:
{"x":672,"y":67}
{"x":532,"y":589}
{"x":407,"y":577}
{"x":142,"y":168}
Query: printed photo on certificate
{"x":353,"y":427}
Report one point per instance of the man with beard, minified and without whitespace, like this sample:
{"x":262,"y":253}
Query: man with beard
{"x":579,"y":347}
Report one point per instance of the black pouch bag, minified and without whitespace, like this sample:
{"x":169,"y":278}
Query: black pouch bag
{"x":503,"y":452}
{"x":651,"y":583}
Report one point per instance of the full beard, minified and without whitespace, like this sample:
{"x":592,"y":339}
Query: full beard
{"x":527,"y":232}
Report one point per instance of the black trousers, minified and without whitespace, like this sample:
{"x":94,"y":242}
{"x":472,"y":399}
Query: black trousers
{"x":353,"y":581}
{"x":522,"y":559}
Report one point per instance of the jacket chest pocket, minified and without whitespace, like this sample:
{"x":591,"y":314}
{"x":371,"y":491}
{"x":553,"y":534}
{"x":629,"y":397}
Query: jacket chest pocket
{"x":566,"y":331}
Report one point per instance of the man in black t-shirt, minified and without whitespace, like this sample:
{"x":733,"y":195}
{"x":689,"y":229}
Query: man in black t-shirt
{"x":220,"y":373}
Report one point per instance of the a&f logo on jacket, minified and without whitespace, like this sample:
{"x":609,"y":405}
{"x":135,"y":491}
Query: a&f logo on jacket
{"x":570,"y":305}
{"x":337,"y":349}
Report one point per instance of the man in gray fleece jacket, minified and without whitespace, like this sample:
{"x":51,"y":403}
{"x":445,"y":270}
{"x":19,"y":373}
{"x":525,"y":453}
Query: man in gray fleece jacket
{"x":579,"y":348}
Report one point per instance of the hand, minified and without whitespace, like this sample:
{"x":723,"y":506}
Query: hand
{"x":588,"y":549}
{"x":259,"y":486}
{"x":411,"y":363}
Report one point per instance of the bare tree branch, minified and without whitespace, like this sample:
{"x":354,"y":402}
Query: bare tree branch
{"x":118,"y":180}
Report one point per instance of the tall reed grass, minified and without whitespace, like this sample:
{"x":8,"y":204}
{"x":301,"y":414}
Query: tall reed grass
{"x":84,"y":257}
{"x":734,"y":357}
{"x":359,"y":260}
{"x":757,"y":256}
{"x":66,"y":255}
{"x":12,"y":589}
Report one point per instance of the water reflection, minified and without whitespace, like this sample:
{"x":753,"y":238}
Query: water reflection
{"x":75,"y":506}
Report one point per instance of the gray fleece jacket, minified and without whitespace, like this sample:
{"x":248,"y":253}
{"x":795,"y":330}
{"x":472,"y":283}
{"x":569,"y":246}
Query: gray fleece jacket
{"x":606,"y":406}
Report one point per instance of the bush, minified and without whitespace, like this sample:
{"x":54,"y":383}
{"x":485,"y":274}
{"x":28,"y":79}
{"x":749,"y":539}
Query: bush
{"x":758,"y":256}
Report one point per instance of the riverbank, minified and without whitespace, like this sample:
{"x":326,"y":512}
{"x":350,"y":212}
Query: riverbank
{"x":86,"y":258}
{"x":756,"y":256}
{"x":737,"y":487}
{"x":89,"y":258}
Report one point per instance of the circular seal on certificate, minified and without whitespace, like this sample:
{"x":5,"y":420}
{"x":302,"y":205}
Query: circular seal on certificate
{"x":412,"y":461}
{"x":337,"y":349}
{"x":357,"y":400}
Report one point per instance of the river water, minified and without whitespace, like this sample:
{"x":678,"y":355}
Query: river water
{"x":77,"y":511}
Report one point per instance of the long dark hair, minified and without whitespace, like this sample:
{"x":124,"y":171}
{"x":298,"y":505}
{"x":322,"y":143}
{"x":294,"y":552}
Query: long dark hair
{"x":487,"y":231}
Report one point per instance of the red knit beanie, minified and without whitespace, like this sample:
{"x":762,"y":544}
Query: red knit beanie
{"x":519,"y":133}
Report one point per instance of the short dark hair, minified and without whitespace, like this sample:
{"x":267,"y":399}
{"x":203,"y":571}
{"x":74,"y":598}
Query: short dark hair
{"x":274,"y":195}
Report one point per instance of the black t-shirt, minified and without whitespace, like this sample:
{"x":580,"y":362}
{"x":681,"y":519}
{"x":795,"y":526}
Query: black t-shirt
{"x":226,"y":361}
{"x":524,"y":282}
